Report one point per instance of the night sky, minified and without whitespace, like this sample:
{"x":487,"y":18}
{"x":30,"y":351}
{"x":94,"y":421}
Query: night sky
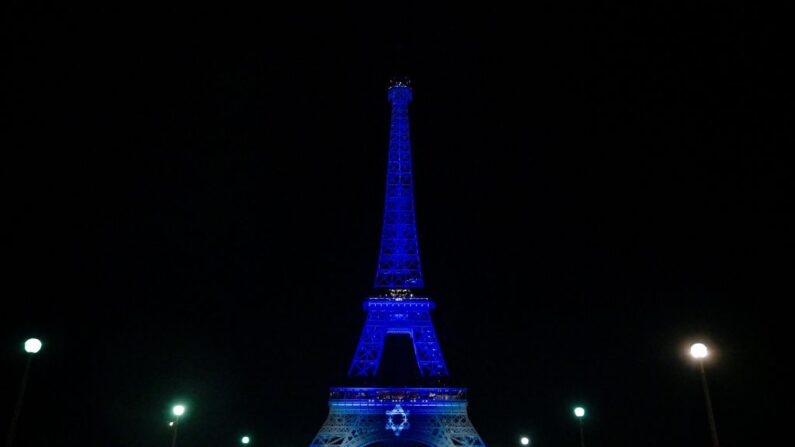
{"x":192,"y":200}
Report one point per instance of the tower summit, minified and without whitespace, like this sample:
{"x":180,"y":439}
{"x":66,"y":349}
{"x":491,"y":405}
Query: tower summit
{"x":399,"y":257}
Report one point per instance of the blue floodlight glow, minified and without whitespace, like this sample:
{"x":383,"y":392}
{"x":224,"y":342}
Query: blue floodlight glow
{"x":399,"y":258}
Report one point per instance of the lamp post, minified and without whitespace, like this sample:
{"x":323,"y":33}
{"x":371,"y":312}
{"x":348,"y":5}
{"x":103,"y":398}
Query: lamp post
{"x":32,"y":346}
{"x":178,"y":411}
{"x":579,"y":412}
{"x":699,"y":352}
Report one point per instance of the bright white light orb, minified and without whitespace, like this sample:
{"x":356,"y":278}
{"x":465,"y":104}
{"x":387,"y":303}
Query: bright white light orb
{"x":245,"y":439}
{"x":699,"y":350}
{"x":32,"y":345}
{"x":579,"y":412}
{"x":171,"y":424}
{"x":178,"y":410}
{"x":525,"y":440}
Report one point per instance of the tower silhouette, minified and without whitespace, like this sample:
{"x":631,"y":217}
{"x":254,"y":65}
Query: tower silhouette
{"x":433,"y":414}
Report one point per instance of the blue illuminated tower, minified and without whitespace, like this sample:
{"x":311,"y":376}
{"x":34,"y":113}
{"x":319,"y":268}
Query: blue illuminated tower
{"x":399,"y":258}
{"x":398,"y":311}
{"x":431,"y":415}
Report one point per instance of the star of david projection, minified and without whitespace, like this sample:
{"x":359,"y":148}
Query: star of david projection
{"x":397,"y":419}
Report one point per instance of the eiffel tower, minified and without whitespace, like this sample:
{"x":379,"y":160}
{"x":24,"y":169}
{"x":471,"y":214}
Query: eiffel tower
{"x":395,"y":416}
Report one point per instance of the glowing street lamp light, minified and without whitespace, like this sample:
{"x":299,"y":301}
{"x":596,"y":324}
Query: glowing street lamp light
{"x":524,"y":440}
{"x":699,"y":352}
{"x":245,"y":440}
{"x":177,"y":410}
{"x":579,"y":412}
{"x":32,"y":346}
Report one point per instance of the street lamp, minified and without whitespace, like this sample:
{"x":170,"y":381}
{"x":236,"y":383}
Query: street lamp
{"x":177,"y":410}
{"x":699,"y":352}
{"x":245,"y":440}
{"x":32,"y":346}
{"x":524,"y":440}
{"x":579,"y":412}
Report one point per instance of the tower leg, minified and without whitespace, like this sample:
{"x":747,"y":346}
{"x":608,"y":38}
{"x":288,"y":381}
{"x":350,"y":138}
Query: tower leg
{"x":368,"y":353}
{"x":343,"y":429}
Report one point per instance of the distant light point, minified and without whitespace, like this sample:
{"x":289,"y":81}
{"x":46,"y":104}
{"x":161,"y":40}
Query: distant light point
{"x":32,"y":345}
{"x":579,"y":412}
{"x":245,"y":440}
{"x":699,"y":350}
{"x":178,"y":410}
{"x":525,"y":440}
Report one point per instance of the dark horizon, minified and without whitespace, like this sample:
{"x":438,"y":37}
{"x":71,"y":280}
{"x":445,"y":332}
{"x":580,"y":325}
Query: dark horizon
{"x":194,"y":202}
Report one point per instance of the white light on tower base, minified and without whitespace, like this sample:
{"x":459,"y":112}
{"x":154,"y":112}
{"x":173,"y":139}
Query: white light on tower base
{"x":525,"y":440}
{"x":699,"y":350}
{"x":32,"y":345}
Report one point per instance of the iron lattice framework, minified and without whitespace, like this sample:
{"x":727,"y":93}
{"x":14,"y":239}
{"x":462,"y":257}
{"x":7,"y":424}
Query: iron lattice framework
{"x":362,"y":416}
{"x":398,"y":315}
{"x":399,"y":258}
{"x":432,"y":416}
